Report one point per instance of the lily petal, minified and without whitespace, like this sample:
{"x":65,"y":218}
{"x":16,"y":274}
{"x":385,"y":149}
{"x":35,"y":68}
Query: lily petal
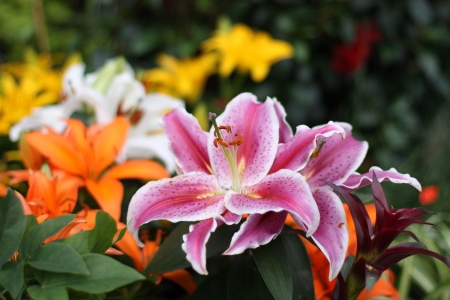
{"x":153,"y":146}
{"x":58,"y":152}
{"x":356,"y":181}
{"x":285,"y":190}
{"x":332,"y":234}
{"x":337,"y":160}
{"x":108,"y":193}
{"x":187,"y":141}
{"x":295,"y":154}
{"x":195,"y":244}
{"x":108,"y":143}
{"x":190,"y":197}
{"x":41,"y":117}
{"x":137,"y":169}
{"x":258,"y":230}
{"x":285,"y":129}
{"x":258,"y":124}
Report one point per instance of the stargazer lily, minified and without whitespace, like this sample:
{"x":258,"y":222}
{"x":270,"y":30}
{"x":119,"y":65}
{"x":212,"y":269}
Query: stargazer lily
{"x":228,"y":172}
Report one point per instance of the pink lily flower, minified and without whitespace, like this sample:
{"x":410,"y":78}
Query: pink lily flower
{"x":335,"y":161}
{"x":229,"y":172}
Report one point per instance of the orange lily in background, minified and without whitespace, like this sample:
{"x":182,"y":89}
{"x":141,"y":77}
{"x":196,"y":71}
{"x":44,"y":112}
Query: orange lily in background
{"x":142,"y":257}
{"x":429,"y":194}
{"x":323,"y":288}
{"x":86,"y":155}
{"x":49,"y":197}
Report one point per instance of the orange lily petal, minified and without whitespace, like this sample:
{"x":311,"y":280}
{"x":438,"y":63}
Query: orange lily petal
{"x":128,"y":246}
{"x":137,"y":169}
{"x":25,"y":206}
{"x":108,"y":143}
{"x":384,"y":287}
{"x":59,"y":151}
{"x":42,"y":187}
{"x":31,"y":158}
{"x":76,"y":132}
{"x":112,"y":251}
{"x":108,"y":193}
{"x":183,"y":278}
{"x":18,"y":175}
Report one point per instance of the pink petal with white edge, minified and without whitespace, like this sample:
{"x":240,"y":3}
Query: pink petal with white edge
{"x":285,"y":190}
{"x":258,"y":230}
{"x":187,"y":141}
{"x":332,"y":234}
{"x":295,"y":154}
{"x":337,"y":160}
{"x":356,"y":181}
{"x":285,"y":130}
{"x":228,"y":218}
{"x":195,"y":244}
{"x":258,"y":124}
{"x":190,"y":197}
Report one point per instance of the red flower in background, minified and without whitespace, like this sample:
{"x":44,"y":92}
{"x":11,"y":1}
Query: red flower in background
{"x":349,"y":58}
{"x":429,"y":195}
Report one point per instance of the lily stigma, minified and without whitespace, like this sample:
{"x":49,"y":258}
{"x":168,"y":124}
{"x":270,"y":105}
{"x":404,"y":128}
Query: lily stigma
{"x":229,"y":150}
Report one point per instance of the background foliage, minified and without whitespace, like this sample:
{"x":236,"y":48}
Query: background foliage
{"x":397,"y":98}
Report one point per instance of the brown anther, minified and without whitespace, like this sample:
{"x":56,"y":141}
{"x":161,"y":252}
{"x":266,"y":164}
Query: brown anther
{"x":219,"y":141}
{"x":226,"y":127}
{"x":237,"y":141}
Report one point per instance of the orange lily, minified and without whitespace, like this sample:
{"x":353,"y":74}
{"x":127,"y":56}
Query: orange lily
{"x":142,"y":257}
{"x":323,"y":288}
{"x":87,"y":153}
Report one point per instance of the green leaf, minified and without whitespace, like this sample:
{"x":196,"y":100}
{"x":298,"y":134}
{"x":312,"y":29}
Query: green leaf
{"x":11,"y":277}
{"x":79,"y":241}
{"x":212,"y":287}
{"x":12,"y":226}
{"x":300,"y":267}
{"x":245,"y":282}
{"x":273,"y":263}
{"x":55,"y":293}
{"x":31,"y":222}
{"x":34,"y":238}
{"x":58,"y":258}
{"x":106,"y":274}
{"x":101,"y":237}
{"x":170,"y":256}
{"x":120,"y":235}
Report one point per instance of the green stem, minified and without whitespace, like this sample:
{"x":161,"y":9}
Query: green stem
{"x":41,"y":27}
{"x":405,"y":278}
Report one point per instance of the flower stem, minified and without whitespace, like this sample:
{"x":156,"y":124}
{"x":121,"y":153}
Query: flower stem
{"x":41,"y":27}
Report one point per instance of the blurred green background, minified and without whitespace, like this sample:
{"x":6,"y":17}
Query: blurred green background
{"x":395,"y":94}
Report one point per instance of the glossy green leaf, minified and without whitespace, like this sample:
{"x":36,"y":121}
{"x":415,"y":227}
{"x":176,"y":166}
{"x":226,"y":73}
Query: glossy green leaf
{"x":79,"y":241}
{"x":171,"y":257}
{"x":273,"y":263}
{"x":31,"y":222}
{"x":12,"y":226}
{"x":34,"y":238}
{"x":101,"y":237}
{"x":300,"y":267}
{"x":55,"y":293}
{"x":106,"y":274}
{"x":245,"y":282}
{"x":11,"y":277}
{"x":58,"y":258}
{"x":120,"y":235}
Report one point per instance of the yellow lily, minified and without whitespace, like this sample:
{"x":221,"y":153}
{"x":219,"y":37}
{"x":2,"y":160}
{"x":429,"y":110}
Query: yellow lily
{"x":87,"y":155}
{"x":246,"y":50}
{"x":183,"y":78}
{"x":17,"y":99}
